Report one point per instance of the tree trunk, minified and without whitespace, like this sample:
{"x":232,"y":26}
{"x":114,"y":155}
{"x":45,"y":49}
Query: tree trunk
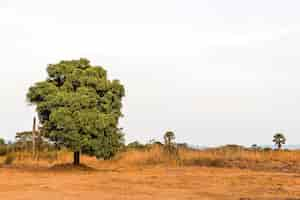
{"x":76,"y":158}
{"x":33,"y":137}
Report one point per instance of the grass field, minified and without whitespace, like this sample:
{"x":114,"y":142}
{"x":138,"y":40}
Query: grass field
{"x":152,"y":175}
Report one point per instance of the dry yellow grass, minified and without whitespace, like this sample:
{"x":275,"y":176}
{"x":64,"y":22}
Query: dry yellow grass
{"x":152,"y":174}
{"x":288,"y":161}
{"x":248,"y":155}
{"x":152,"y":156}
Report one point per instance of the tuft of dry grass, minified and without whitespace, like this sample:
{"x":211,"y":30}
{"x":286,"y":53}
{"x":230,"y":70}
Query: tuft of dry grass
{"x":152,"y":156}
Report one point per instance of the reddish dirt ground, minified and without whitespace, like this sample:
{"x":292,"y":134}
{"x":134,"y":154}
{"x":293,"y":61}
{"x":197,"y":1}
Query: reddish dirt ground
{"x":163,"y":183}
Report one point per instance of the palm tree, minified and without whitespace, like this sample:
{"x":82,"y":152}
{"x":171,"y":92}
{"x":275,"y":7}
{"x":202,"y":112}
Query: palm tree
{"x":279,"y":140}
{"x":169,"y":137}
{"x":170,"y":146}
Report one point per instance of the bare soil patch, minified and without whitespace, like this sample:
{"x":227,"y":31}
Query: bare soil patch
{"x":57,"y":183}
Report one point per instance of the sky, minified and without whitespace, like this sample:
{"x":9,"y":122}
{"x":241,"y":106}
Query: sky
{"x":215,"y":72}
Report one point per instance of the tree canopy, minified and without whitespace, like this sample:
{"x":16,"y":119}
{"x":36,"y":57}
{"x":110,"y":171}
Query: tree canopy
{"x":79,"y":107}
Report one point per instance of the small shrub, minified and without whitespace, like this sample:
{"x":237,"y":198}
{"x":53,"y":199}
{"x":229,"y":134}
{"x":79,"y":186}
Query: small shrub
{"x":3,"y":150}
{"x":136,"y":145}
{"x":267,"y":149}
{"x":10,"y":158}
{"x":207,"y":162}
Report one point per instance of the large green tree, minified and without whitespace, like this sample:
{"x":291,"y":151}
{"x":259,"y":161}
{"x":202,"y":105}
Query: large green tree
{"x":78,"y":107}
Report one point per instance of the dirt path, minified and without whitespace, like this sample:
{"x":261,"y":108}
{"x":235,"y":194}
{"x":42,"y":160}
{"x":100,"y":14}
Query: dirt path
{"x":148,"y":184}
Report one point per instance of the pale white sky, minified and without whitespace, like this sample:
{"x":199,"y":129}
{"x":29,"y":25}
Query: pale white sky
{"x":213,"y":71}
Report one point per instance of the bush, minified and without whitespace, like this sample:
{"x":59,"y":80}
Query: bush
{"x":10,"y":158}
{"x":232,"y":147}
{"x":3,"y":150}
{"x":2,"y":141}
{"x":136,"y":145}
{"x":207,"y":162}
{"x":267,"y":149}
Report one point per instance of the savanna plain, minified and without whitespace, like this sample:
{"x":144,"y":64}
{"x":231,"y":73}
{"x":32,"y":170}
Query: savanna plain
{"x":224,"y":173}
